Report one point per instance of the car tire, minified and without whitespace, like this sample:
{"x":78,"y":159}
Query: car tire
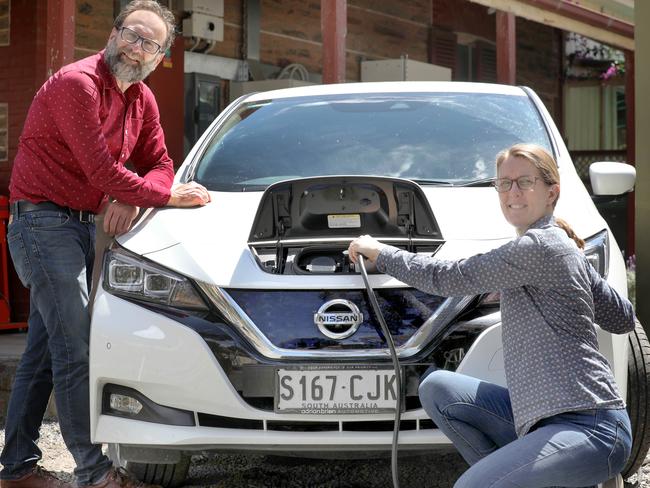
{"x":638,"y":396}
{"x":166,"y":475}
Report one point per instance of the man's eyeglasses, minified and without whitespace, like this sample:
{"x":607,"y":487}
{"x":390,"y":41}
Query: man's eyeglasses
{"x":132,"y":37}
{"x":503,"y":185}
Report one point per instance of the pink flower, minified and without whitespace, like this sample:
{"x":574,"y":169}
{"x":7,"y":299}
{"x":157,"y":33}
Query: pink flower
{"x":611,"y":71}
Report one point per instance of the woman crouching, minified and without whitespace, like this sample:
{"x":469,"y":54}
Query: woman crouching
{"x":561,"y":421}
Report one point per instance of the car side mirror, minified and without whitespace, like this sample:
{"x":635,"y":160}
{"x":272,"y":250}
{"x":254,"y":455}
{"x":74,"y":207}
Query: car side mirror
{"x":611,"y":178}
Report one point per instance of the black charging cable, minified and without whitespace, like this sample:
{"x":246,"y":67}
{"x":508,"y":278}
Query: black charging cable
{"x":396,"y":367}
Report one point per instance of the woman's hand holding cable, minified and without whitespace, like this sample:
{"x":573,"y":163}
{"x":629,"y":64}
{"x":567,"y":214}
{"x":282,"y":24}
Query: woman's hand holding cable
{"x":366,"y":245}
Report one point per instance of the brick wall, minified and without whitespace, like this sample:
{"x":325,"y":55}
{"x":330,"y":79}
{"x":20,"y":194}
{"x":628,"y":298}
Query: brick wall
{"x":94,"y":20}
{"x":463,"y":16}
{"x":19,"y":66}
{"x":290,"y":32}
{"x":539,"y":50}
{"x":22,"y":63}
{"x":22,"y":71}
{"x":387,"y":30}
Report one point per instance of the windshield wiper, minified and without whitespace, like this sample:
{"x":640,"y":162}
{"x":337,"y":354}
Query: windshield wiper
{"x":245,"y":188}
{"x":432,"y":182}
{"x":481,"y":182}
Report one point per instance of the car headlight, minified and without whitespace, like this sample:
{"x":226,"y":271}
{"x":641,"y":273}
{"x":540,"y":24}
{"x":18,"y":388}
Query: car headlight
{"x":597,"y":252}
{"x":129,"y":275}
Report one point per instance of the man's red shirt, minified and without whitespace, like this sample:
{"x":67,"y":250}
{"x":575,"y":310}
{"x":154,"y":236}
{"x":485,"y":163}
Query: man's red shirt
{"x":79,"y":132}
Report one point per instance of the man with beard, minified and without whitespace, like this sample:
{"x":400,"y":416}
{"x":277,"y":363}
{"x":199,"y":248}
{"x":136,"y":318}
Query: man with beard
{"x":85,"y":122}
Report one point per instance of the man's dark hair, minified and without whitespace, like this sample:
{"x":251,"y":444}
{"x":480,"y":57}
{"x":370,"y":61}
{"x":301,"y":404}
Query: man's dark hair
{"x":152,"y":6}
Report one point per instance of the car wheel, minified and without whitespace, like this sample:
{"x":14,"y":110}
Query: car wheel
{"x":638,"y":391}
{"x":166,"y":475}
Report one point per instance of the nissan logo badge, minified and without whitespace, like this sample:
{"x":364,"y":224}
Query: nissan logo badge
{"x":338,"y":319}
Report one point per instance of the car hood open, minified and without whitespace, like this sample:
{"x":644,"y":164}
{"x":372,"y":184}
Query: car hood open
{"x":211,"y":243}
{"x":327,"y":207}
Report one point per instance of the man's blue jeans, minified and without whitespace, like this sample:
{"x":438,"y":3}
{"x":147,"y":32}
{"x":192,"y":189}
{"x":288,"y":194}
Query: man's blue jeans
{"x":53,"y":254}
{"x":574,"y":449}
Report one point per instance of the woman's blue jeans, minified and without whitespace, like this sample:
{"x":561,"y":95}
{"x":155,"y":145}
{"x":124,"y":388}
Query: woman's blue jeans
{"x":53,"y":254}
{"x":574,"y":449}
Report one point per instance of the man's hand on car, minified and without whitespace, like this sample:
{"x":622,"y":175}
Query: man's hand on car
{"x":119,"y":217}
{"x":188,"y":195}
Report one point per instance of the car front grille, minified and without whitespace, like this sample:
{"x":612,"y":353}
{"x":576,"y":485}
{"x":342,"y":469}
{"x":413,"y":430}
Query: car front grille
{"x":286,"y":317}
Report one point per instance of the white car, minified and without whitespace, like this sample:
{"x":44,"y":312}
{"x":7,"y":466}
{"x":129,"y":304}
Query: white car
{"x":242,"y":326}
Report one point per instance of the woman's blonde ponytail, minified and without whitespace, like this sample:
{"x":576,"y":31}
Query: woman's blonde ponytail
{"x":569,"y":231}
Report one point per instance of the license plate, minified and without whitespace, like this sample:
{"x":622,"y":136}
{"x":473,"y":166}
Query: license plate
{"x":335,"y":390}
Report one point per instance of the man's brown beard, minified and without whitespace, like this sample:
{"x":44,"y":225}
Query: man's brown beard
{"x":121,"y":70}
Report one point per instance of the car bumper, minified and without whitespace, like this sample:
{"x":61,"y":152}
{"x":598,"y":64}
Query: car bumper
{"x":172,"y":365}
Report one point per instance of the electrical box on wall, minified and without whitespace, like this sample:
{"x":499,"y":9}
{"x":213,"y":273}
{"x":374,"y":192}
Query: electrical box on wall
{"x":204,"y":26}
{"x":403,"y":69}
{"x":208,"y":7}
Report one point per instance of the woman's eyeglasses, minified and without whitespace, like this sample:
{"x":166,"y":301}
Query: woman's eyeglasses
{"x":132,"y":37}
{"x":503,"y":185}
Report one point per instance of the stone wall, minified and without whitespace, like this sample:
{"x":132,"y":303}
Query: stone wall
{"x":7,"y":372}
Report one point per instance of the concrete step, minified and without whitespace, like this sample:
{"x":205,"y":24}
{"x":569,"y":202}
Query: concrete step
{"x":12,"y":345}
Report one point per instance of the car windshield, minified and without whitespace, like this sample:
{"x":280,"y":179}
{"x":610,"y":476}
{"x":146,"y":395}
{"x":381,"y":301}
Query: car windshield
{"x":432,"y":138}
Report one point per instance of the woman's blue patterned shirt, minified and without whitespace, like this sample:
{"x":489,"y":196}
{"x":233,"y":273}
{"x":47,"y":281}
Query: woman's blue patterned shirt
{"x":551,"y":297}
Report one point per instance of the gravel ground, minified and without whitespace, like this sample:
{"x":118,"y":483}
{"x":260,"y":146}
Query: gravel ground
{"x":253,"y":471}
{"x":256,"y":471}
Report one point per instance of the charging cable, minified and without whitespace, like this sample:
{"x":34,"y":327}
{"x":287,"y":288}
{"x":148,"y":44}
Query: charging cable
{"x":396,"y":367}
